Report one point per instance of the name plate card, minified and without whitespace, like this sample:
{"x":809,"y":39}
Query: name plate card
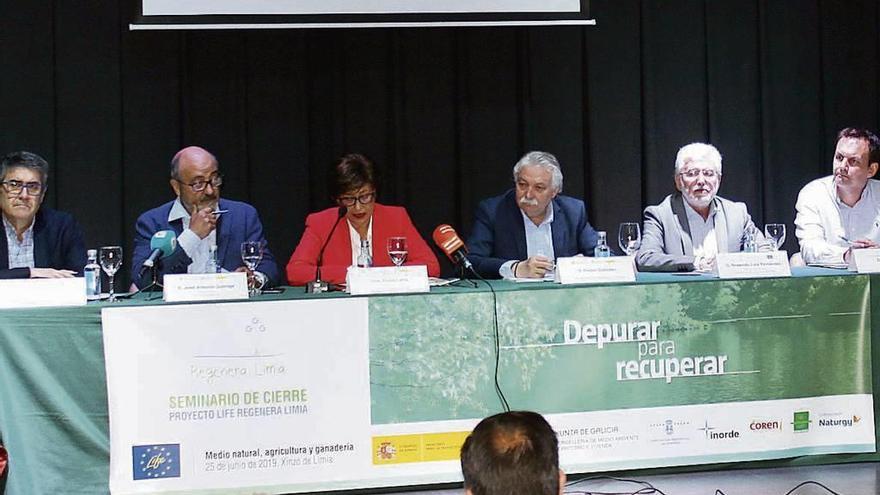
{"x":387,"y":280}
{"x":752,"y":265}
{"x":865,"y":260}
{"x":42,"y":292}
{"x":205,"y":287}
{"x":586,"y":270}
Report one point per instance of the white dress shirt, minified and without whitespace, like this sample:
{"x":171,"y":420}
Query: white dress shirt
{"x":356,"y":241}
{"x":823,"y":220}
{"x":198,"y":250}
{"x":21,"y":254}
{"x":702,"y":232}
{"x":539,"y":242}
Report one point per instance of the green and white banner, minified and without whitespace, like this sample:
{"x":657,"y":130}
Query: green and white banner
{"x":642,"y":375}
{"x":327,"y":394}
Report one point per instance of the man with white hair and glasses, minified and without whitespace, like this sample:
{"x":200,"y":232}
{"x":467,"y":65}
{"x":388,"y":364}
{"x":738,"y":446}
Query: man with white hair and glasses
{"x":520,"y":233}
{"x":690,"y":227}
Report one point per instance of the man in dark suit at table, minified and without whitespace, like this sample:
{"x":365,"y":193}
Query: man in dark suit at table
{"x":512,"y":452}
{"x":201,"y":220}
{"x":520,"y":233}
{"x":39,"y":242}
{"x":690,"y":227}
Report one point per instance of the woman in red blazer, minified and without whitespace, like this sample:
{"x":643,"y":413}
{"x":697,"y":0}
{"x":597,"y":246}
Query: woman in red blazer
{"x":353,"y":186}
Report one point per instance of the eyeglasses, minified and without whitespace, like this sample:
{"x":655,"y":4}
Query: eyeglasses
{"x":696,"y":172}
{"x":15,"y":187}
{"x":349,"y":201}
{"x":200,"y":185}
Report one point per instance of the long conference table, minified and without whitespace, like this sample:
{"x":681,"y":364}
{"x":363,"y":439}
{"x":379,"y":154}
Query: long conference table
{"x":676,"y":372}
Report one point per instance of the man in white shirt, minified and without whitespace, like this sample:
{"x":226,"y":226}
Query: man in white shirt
{"x":689,"y":228}
{"x":841,"y":212}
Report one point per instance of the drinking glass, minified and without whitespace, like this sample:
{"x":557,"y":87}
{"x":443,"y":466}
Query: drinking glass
{"x":775,"y":231}
{"x":111,"y":259}
{"x":251,"y":255}
{"x":397,"y":250}
{"x":629,"y":237}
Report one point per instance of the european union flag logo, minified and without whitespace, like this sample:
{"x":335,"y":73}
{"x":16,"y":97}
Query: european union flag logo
{"x":156,"y":461}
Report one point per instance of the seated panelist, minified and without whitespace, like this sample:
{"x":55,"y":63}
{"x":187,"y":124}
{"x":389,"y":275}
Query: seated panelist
{"x":353,"y":187}
{"x":39,"y":242}
{"x":520,"y":233}
{"x":690,"y":227}
{"x":201,"y":219}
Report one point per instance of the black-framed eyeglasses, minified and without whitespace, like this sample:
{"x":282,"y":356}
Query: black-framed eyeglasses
{"x":15,"y":187}
{"x":364,"y":199}
{"x":200,"y":185}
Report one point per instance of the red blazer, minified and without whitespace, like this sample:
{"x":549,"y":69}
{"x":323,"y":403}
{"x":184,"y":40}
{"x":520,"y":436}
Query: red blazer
{"x":388,"y":221}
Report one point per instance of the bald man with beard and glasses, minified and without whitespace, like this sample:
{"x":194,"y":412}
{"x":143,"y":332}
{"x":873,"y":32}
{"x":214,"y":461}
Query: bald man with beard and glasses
{"x":201,"y":219}
{"x":689,"y":228}
{"x":841,"y":212}
{"x":520,"y":233}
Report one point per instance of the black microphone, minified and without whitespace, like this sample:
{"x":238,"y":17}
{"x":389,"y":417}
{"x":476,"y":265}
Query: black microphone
{"x":163,"y":244}
{"x":319,"y":285}
{"x":448,"y":241}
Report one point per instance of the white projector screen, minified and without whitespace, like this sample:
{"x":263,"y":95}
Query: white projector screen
{"x":250,"y":14}
{"x":312,"y":7}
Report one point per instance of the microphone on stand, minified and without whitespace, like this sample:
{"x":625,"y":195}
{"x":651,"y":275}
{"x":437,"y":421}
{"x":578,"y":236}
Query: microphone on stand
{"x":451,"y":244}
{"x":163,"y":243}
{"x":318,"y":285}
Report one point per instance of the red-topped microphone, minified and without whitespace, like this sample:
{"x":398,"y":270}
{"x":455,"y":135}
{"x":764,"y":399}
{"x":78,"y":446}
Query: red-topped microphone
{"x":451,"y":244}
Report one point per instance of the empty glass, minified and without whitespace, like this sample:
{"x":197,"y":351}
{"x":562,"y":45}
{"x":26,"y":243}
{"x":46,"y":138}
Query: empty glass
{"x":397,"y":250}
{"x":110,"y":258}
{"x":775,"y":231}
{"x":251,"y":255}
{"x":629,"y":237}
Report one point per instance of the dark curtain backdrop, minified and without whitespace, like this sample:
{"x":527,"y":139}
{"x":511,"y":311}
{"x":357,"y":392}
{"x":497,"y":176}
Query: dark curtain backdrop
{"x":445,"y":112}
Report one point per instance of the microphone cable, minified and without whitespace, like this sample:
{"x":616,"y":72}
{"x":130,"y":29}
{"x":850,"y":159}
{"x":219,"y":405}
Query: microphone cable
{"x":497,"y":342}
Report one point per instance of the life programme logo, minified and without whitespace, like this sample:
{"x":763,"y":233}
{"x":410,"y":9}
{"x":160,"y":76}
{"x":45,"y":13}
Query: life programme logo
{"x":156,"y":461}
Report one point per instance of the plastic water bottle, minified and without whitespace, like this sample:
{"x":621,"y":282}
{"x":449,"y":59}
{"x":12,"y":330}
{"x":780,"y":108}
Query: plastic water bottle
{"x":213,"y":262}
{"x":92,"y":274}
{"x":750,"y":244}
{"x":602,"y":250}
{"x":364,"y":259}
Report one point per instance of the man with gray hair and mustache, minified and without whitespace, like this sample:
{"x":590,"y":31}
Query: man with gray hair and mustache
{"x":520,"y":233}
{"x":690,"y":227}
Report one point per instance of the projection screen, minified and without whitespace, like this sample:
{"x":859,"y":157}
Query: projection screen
{"x":253,"y":14}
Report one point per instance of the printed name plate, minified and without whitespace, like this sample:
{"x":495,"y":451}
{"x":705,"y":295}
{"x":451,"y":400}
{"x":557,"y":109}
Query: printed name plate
{"x":387,"y":279}
{"x":586,"y":270}
{"x":865,"y":260}
{"x":205,"y":287}
{"x":752,"y":265}
{"x":41,"y":292}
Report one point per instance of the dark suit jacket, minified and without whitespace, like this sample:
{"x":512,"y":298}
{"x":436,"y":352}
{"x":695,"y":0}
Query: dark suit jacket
{"x":58,"y":244}
{"x":666,"y":239}
{"x":498,"y":234}
{"x":240,"y":224}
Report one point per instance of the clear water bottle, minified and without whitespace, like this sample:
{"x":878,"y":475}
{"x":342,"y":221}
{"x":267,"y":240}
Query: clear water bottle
{"x":213,"y":262}
{"x":750,"y":242}
{"x":92,"y":274}
{"x":602,"y":250}
{"x":364,"y":259}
